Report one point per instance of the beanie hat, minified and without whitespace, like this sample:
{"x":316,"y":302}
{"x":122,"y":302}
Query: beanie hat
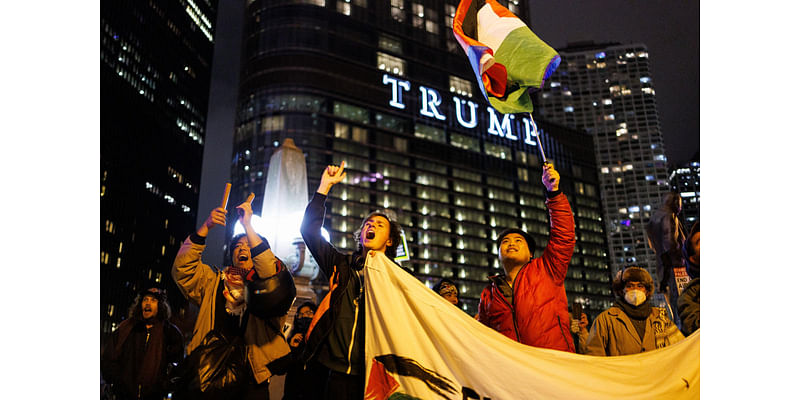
{"x":632,"y":274}
{"x":508,"y":231}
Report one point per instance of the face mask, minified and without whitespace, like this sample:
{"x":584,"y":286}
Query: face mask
{"x":635,"y":297}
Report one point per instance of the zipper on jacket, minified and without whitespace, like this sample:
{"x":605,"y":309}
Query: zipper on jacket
{"x":355,"y":326}
{"x":513,"y":308}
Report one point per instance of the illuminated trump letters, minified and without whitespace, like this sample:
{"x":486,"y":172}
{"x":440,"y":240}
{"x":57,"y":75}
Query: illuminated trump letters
{"x":466,"y":111}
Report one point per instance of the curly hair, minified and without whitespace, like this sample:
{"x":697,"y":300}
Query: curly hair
{"x":394,"y":234}
{"x":164,"y":310}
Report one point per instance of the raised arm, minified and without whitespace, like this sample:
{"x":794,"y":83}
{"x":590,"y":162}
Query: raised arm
{"x":188,"y":270}
{"x":265,"y":262}
{"x":558,"y":252}
{"x":323,"y":252}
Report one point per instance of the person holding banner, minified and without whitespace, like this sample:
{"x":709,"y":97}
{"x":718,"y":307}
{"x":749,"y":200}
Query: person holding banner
{"x":225,"y":321}
{"x":528,"y":303}
{"x":335,"y":338}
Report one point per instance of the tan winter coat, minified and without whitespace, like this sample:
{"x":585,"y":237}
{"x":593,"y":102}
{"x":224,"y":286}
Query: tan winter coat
{"x":613,"y":333}
{"x":198,"y":282}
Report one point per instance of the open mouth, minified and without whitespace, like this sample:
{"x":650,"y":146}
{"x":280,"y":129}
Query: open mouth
{"x":370,"y":235}
{"x":243,"y":257}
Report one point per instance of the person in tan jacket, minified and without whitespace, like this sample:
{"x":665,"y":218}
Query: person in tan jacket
{"x":632,"y":325}
{"x":223,"y":310}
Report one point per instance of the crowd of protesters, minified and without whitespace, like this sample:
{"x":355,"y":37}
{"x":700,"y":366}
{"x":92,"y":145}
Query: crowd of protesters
{"x":238,"y":342}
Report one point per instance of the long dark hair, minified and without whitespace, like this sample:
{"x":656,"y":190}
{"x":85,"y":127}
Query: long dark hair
{"x":164,"y":310}
{"x":235,"y":239}
{"x":670,"y":201}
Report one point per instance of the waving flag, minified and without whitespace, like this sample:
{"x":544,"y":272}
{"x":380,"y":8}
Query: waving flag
{"x":419,"y":346}
{"x":505,"y":55}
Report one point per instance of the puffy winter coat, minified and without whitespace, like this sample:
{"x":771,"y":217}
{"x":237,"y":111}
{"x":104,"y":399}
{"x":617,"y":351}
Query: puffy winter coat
{"x":538,"y":315}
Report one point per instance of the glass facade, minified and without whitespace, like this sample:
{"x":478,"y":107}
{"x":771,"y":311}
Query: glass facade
{"x":607,"y":91}
{"x":453,"y":184}
{"x":155,"y":68}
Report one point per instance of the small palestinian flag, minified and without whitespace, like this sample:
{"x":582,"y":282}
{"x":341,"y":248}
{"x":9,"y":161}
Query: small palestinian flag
{"x":506,"y":56}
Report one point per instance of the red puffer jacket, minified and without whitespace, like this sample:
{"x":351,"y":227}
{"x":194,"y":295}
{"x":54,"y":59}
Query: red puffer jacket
{"x":538,"y":316}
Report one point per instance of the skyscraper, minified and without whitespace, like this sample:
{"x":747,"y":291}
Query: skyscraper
{"x":385,"y":87}
{"x":686,"y":181}
{"x":607,"y":91}
{"x":155,"y":62}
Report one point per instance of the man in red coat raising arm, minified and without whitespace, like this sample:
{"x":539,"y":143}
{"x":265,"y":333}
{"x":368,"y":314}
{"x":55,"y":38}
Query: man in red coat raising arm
{"x":528,"y":303}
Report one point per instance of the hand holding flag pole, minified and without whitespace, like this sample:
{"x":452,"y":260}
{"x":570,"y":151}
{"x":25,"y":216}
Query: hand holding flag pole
{"x":539,"y":142}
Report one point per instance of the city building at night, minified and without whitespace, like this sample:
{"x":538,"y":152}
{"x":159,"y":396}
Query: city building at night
{"x":384,"y":86}
{"x":607,"y":91}
{"x":686,"y":181}
{"x":155,"y":64}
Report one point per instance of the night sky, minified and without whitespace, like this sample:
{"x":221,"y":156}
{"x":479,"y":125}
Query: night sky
{"x":670,"y":30}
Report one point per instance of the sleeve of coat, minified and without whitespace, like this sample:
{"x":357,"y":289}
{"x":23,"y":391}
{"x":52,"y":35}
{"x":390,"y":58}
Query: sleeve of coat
{"x":483,"y":316}
{"x":321,"y":249}
{"x":558,"y":252}
{"x":689,"y":309}
{"x":188,"y":270}
{"x":109,"y":362}
{"x":597,"y":341}
{"x":265,"y":262}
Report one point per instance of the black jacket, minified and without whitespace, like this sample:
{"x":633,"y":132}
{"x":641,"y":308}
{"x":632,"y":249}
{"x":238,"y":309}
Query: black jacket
{"x":341,"y":270}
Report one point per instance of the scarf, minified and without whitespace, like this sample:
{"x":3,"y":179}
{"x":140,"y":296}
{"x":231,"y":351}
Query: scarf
{"x":234,"y":278}
{"x":637,"y":314}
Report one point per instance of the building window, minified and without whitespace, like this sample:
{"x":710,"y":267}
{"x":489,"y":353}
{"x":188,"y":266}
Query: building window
{"x":398,"y":12}
{"x":394,"y":65}
{"x":425,"y":18}
{"x":460,"y":86}
{"x":390,"y":43}
{"x":429,"y":132}
{"x":495,"y":150}
{"x":390,"y":123}
{"x":350,"y":112}
{"x":464,"y":142}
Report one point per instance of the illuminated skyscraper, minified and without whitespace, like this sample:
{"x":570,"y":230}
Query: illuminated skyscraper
{"x":686,"y":181}
{"x":607,"y":91}
{"x":384,"y":86}
{"x":155,"y":64}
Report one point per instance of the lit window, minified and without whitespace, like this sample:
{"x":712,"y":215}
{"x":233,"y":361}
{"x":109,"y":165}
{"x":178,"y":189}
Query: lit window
{"x":604,"y":170}
{"x":644,"y":79}
{"x":569,"y":109}
{"x":460,"y":86}
{"x":555,"y":84}
{"x":390,"y":43}
{"x":398,"y":13}
{"x":607,"y":102}
{"x":394,"y":65}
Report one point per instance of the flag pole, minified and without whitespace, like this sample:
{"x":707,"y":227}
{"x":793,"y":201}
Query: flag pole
{"x":536,"y":133}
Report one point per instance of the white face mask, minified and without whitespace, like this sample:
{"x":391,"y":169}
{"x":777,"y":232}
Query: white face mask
{"x":635,"y":297}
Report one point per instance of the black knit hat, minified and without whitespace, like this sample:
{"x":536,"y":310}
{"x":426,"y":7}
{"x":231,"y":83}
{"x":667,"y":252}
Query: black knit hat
{"x":632,"y":274}
{"x":507,"y":231}
{"x":158,"y":294}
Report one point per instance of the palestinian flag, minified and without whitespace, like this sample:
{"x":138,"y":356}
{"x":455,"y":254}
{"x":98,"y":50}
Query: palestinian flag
{"x":506,"y":56}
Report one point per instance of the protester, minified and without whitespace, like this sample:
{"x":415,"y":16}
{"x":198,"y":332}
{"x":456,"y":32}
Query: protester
{"x":254,"y":346}
{"x":528,"y":303}
{"x":580,"y":332}
{"x":665,"y":235}
{"x":632,"y":325}
{"x":689,"y":300}
{"x":301,"y":382}
{"x":336,"y":336}
{"x":447,"y":289}
{"x":140,"y":353}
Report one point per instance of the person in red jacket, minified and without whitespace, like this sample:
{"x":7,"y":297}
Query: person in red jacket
{"x":528,"y":303}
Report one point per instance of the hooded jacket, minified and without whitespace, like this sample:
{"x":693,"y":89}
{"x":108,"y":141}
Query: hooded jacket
{"x":538,"y":315}
{"x":613,"y":333}
{"x":689,"y":307}
{"x":267,"y":350}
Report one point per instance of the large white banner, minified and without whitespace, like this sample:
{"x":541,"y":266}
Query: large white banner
{"x":418,"y":345}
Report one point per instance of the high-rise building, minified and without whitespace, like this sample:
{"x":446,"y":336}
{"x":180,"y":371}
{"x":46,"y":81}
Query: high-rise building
{"x":155,"y":64}
{"x":607,"y":91}
{"x":385,"y":87}
{"x":686,"y":181}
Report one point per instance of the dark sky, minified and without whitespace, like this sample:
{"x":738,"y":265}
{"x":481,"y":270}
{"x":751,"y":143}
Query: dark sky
{"x":670,"y":30}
